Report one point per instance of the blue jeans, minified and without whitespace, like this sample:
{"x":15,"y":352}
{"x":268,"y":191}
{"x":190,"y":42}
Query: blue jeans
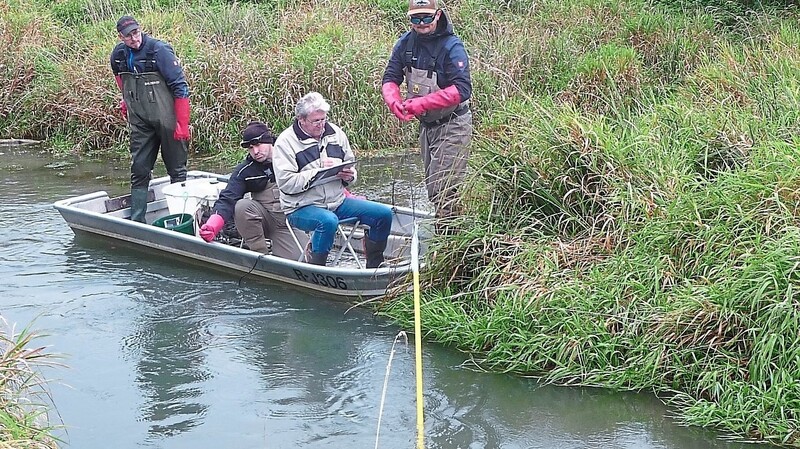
{"x":323,"y":222}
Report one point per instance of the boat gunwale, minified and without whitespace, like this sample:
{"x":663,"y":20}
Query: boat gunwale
{"x":164,"y":240}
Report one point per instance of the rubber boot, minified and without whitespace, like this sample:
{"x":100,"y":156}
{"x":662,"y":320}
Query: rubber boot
{"x":138,"y":204}
{"x":317,"y":258}
{"x":374,"y":252}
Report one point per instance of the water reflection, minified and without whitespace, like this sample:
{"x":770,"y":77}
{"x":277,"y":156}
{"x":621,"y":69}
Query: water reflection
{"x":169,"y":342}
{"x":314,"y":376}
{"x":167,"y":335}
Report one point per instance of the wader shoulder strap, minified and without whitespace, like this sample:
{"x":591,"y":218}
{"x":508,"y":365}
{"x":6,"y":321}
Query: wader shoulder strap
{"x":120,"y":59}
{"x":442,"y":45}
{"x":125,"y":62}
{"x":409,"y":53}
{"x":150,"y":56}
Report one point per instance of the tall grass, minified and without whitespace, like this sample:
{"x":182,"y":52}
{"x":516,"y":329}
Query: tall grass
{"x":635,"y":227}
{"x":24,"y":399}
{"x":242,"y":61}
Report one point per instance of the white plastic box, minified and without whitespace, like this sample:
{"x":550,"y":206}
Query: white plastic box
{"x":185,"y":197}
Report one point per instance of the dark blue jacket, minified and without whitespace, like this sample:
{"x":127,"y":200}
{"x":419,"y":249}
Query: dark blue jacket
{"x":249,"y":176}
{"x":152,"y":56}
{"x":452,"y":66}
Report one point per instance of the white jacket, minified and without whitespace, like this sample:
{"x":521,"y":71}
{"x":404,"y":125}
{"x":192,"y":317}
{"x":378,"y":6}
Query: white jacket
{"x":297,"y":159}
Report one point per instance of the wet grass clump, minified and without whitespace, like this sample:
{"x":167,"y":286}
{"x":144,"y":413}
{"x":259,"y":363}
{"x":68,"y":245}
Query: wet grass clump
{"x":24,"y":399}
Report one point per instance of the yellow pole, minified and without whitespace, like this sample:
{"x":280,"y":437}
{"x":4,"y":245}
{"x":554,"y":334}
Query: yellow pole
{"x":417,"y":338}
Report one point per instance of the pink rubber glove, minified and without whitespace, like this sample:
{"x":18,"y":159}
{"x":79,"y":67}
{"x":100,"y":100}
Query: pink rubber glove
{"x":211,"y":228}
{"x":123,"y":107}
{"x":391,"y":96}
{"x":348,"y":194}
{"x":440,"y":99}
{"x":182,"y":131}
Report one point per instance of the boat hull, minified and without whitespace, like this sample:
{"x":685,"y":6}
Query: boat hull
{"x":90,"y":214}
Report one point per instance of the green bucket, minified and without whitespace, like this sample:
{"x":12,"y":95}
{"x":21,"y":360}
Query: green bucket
{"x":177,"y":222}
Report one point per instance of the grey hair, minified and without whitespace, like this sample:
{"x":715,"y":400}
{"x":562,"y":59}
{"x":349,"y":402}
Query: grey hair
{"x":311,"y":102}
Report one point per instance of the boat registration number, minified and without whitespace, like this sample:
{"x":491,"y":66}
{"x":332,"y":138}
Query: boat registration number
{"x":322,"y":279}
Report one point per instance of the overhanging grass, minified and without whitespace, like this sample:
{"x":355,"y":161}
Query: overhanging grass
{"x":602,"y":253}
{"x":652,"y":247}
{"x":24,"y":399}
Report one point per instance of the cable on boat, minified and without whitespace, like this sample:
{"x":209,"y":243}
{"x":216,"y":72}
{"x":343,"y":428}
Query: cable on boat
{"x":251,"y":269}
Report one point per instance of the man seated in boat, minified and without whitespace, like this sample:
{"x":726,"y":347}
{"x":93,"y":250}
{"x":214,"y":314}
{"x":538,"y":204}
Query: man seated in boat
{"x":260,"y":217}
{"x":304,"y":154}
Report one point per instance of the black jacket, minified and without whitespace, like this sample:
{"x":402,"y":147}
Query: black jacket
{"x":249,"y":176}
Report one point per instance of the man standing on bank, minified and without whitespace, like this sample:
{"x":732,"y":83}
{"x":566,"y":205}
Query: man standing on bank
{"x":259,"y":217}
{"x":434,"y":64}
{"x":155,"y":102}
{"x":303,"y":152}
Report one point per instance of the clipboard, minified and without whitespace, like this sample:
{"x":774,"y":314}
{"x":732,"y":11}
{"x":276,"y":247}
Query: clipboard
{"x":329,"y":174}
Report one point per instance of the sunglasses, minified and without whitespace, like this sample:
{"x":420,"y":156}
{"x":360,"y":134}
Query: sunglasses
{"x":422,"y":20}
{"x":256,"y":140}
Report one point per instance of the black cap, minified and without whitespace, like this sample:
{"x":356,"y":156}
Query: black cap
{"x":256,"y":132}
{"x":126,"y":24}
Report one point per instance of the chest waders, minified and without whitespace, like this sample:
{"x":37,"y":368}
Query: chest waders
{"x":151,"y":118}
{"x":423,"y":81}
{"x":444,"y":137}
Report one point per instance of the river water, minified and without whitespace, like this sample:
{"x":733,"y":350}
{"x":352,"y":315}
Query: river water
{"x":162,"y":354}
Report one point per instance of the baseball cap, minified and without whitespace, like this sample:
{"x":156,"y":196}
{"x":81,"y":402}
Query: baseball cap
{"x":126,"y":24}
{"x":422,"y":7}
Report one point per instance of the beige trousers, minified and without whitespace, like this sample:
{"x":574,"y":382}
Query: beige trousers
{"x":256,"y":223}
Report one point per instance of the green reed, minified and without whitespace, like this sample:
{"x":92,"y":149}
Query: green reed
{"x":24,"y":399}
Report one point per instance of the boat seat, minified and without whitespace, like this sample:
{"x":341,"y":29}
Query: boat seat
{"x":341,"y":233}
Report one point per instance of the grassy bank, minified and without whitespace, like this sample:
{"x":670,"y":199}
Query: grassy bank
{"x":632,"y":208}
{"x":24,"y":401}
{"x":636,"y":227}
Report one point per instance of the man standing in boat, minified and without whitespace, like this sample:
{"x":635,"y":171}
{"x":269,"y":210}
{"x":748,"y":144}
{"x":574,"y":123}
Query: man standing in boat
{"x":155,"y":102}
{"x":303,"y":152}
{"x":261,"y":216}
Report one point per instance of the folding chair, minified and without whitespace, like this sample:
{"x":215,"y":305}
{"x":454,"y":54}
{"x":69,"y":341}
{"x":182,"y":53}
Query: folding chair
{"x":341,"y":233}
